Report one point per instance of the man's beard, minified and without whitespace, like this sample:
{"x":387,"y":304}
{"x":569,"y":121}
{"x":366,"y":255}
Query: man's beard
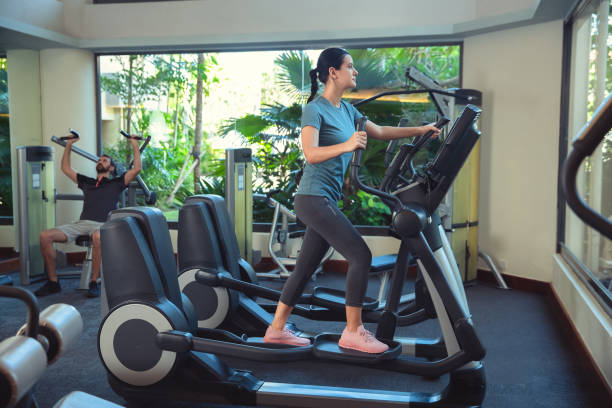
{"x":100,"y":168}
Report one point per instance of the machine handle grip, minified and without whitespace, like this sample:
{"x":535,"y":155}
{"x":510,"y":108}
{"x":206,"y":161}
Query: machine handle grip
{"x":361,"y":125}
{"x":73,"y":135}
{"x":127,"y":135}
{"x":418,"y":145}
{"x":440,"y":123}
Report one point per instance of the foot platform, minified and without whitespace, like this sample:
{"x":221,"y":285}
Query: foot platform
{"x":326,"y":346}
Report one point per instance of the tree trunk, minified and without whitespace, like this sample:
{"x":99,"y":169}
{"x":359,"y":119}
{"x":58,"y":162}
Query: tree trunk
{"x":197,"y":139}
{"x":179,"y":102}
{"x":182,"y":175}
{"x":130,"y":95}
{"x":176,"y":113}
{"x":129,"y":102}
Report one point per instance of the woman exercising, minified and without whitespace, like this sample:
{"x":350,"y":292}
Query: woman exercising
{"x":328,"y":139}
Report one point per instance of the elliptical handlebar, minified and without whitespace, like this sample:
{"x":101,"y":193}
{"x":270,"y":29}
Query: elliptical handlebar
{"x":403,"y":158}
{"x":584,"y":145}
{"x":356,"y":163}
{"x":418,"y":145}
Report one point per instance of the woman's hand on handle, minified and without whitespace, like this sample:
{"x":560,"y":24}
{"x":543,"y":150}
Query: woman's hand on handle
{"x":358,"y":140}
{"x":432,"y":128}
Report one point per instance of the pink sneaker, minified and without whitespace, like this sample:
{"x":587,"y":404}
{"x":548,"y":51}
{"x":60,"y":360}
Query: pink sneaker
{"x":284,"y":336}
{"x":361,"y":340}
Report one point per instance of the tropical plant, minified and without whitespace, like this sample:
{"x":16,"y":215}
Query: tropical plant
{"x":378,"y":69}
{"x":182,"y":78}
{"x":6,"y":185}
{"x":291,"y":63}
{"x":274,"y":136}
{"x":6,"y":188}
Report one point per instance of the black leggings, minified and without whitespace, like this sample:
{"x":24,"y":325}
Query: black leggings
{"x":325,"y":226}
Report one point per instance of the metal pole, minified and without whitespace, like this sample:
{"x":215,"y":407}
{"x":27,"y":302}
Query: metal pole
{"x":22,"y":200}
{"x":501,"y":284}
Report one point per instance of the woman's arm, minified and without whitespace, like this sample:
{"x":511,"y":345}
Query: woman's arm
{"x":317,"y":154}
{"x":393,"y":132}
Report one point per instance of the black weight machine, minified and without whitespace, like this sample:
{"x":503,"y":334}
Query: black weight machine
{"x":150,"y":196}
{"x":85,"y":240}
{"x":38,"y":344}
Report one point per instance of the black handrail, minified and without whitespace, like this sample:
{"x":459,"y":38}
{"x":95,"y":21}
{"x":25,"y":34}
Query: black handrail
{"x":584,"y":145}
{"x":356,"y":163}
{"x":467,"y":99}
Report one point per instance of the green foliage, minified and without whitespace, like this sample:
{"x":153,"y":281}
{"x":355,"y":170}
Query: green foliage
{"x":365,"y":209}
{"x":6,"y":185}
{"x":274,"y":134}
{"x":133,"y":81}
{"x":149,"y":78}
{"x":161,"y":166}
{"x":291,"y":62}
{"x":3,"y":87}
{"x":371,"y":70}
{"x":274,"y":137}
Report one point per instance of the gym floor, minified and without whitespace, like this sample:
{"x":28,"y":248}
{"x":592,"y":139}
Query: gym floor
{"x":530,"y":359}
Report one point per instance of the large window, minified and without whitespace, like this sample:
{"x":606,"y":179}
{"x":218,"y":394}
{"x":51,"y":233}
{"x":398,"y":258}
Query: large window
{"x":6,"y":189}
{"x":591,"y":82}
{"x":251,"y":99}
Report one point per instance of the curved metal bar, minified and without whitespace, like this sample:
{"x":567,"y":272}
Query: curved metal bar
{"x":356,"y":163}
{"x":411,"y":92}
{"x":584,"y":144}
{"x":31,"y":302}
{"x":148,"y":193}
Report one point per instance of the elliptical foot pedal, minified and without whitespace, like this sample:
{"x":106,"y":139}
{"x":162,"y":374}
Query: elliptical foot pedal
{"x":326,"y":346}
{"x":334,"y":298}
{"x":259,"y":342}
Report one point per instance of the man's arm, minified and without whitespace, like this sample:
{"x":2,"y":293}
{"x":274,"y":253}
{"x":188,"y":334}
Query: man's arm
{"x":66,"y":167}
{"x":133,"y":172}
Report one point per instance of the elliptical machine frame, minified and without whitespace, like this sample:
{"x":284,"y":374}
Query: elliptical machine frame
{"x":151,"y":350}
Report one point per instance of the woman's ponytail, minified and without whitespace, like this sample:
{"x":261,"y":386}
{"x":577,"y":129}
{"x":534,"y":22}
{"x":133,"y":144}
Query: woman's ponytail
{"x":314,"y":86}
{"x":330,"y":57}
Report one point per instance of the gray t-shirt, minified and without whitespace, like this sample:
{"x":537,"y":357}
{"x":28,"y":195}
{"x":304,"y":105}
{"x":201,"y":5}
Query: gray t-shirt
{"x":336,"y":125}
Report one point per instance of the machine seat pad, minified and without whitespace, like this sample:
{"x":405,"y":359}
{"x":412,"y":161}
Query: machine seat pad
{"x":83,"y":240}
{"x":383,"y":263}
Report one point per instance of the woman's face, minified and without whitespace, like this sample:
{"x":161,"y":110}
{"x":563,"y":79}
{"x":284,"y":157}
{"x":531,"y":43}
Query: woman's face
{"x":346,"y":76}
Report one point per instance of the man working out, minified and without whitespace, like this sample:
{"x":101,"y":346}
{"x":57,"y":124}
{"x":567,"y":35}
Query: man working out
{"x":100,"y":196}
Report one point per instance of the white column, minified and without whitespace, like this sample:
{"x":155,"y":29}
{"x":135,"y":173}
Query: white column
{"x":68,"y":100}
{"x":23,"y":76}
{"x":581,"y":44}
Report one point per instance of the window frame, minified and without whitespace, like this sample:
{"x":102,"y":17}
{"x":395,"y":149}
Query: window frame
{"x":6,"y":219}
{"x":257,"y":226}
{"x":582,"y":271}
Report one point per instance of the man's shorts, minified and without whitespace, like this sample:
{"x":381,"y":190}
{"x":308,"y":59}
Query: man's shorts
{"x":81,"y":227}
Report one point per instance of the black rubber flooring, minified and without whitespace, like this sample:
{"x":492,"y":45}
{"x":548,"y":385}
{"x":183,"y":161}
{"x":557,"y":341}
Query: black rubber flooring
{"x":529,"y":361}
